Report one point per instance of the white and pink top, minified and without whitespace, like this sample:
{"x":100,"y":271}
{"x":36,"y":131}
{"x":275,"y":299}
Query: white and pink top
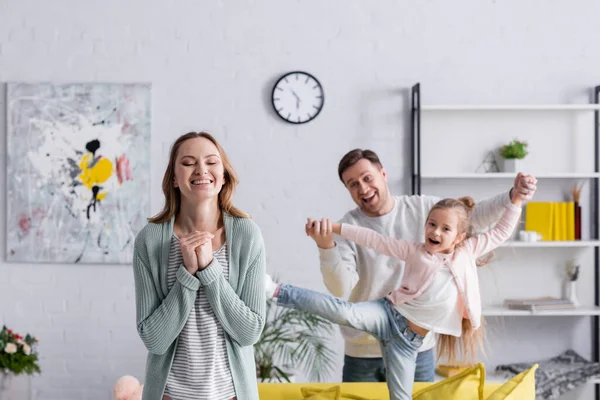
{"x":427,"y":295}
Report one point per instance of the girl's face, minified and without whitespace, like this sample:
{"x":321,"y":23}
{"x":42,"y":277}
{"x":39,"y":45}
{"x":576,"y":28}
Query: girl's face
{"x":442,"y":232}
{"x":199,"y":171}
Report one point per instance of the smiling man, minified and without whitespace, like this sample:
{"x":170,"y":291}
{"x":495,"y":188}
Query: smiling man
{"x":360,"y":274}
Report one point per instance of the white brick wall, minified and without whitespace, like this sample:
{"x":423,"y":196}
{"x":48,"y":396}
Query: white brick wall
{"x":212,"y":66}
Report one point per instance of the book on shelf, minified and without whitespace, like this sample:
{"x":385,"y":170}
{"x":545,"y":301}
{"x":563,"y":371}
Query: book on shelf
{"x":553,"y":220}
{"x":538,"y":304}
{"x":539,"y":217}
{"x":577,"y":221}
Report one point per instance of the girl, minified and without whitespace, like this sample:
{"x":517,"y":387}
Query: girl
{"x":198,"y":268}
{"x":439,"y":290}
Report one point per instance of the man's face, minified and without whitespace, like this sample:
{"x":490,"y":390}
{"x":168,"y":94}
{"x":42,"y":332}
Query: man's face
{"x":367,"y":184}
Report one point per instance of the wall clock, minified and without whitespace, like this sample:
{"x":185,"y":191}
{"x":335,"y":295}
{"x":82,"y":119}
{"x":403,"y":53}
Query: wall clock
{"x":298,"y":97}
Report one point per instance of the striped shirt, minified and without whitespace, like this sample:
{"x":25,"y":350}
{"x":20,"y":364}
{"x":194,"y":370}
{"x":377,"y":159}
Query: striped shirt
{"x":200,"y":368}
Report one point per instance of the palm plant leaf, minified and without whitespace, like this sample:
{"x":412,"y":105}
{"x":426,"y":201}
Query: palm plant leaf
{"x":296,"y":339}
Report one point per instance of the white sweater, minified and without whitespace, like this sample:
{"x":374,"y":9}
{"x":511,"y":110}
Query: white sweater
{"x":360,"y":274}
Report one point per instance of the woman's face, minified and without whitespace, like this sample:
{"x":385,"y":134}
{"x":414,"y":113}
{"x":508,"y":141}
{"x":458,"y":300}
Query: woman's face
{"x":199,"y":171}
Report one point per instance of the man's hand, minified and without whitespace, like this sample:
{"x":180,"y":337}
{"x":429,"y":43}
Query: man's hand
{"x":321,"y":232}
{"x":524,"y":188}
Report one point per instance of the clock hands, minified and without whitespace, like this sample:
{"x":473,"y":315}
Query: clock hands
{"x":297,"y":99}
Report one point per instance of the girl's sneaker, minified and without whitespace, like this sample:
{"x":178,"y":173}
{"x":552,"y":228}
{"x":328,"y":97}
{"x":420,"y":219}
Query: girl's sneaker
{"x":271,"y":287}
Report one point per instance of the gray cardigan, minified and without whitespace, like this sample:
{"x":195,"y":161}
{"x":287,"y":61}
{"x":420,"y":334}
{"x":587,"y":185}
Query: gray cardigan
{"x":239,"y":303}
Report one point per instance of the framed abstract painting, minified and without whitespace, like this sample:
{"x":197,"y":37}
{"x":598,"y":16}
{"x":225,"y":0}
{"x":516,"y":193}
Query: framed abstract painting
{"x":78,"y":171}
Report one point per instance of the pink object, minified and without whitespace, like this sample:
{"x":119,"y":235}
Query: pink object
{"x":276,"y":292}
{"x":137,"y":394}
{"x":123,"y":169}
{"x":128,"y":388}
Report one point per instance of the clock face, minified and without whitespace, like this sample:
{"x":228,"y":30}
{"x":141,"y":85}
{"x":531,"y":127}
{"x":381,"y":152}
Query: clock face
{"x":298,"y":97}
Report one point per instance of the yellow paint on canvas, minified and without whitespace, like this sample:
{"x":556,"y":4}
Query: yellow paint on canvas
{"x":95,"y":175}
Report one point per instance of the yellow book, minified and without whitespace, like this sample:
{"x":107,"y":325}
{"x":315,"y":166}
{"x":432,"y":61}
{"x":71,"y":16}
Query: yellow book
{"x":570,"y":220}
{"x":558,"y":221}
{"x":539,"y":218}
{"x":563,"y":215}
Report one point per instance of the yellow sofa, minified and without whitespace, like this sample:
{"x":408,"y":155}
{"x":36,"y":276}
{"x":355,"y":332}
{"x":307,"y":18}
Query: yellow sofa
{"x":291,"y":391}
{"x":469,"y":384}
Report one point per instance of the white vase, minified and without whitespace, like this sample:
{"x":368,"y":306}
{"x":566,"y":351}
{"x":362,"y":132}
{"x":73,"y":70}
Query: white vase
{"x":511,"y":165}
{"x":571,"y":292}
{"x":15,"y":387}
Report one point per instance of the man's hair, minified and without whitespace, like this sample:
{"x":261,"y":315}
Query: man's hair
{"x":354,"y":156}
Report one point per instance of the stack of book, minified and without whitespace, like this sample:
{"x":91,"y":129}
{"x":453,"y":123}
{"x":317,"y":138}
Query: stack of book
{"x":538,"y":304}
{"x":554,"y":221}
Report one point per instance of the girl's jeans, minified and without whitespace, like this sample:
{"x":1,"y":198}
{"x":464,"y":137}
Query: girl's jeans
{"x":399,"y":344}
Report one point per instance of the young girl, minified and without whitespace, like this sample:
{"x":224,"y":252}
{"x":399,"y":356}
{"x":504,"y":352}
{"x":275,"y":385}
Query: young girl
{"x":439,"y":290}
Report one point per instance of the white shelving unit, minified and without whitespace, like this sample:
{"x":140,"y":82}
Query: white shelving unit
{"x":465,"y":179}
{"x":511,"y":107}
{"x":554,"y":243}
{"x":502,"y":175}
{"x":499,"y":311}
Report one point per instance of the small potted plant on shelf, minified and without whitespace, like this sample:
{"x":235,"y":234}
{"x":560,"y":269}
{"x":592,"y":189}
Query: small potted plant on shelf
{"x":18,"y":359}
{"x":511,"y":153}
{"x":293,"y":339}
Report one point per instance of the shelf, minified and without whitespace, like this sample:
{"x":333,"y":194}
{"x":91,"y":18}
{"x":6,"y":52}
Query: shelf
{"x":511,"y":107}
{"x":512,"y":175}
{"x":553,"y":243}
{"x":499,"y":311}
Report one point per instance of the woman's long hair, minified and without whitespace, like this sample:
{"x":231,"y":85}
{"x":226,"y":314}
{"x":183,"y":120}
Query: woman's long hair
{"x":449,"y":347}
{"x":173,"y":195}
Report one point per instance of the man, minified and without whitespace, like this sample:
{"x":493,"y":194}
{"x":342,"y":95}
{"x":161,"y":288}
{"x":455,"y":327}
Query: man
{"x":360,"y":274}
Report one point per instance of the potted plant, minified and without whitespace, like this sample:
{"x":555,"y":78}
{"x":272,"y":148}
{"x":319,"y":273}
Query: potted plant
{"x":293,"y":340}
{"x":511,"y":154}
{"x":18,"y":358}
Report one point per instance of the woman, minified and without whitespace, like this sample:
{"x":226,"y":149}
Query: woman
{"x":199,"y":267}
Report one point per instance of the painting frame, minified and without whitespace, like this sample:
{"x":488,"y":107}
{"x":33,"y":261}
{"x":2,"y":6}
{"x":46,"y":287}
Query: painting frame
{"x":78,"y":171}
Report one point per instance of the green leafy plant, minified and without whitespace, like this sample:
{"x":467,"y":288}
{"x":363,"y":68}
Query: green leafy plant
{"x":293,"y":339}
{"x":17,"y":353}
{"x":515,"y":149}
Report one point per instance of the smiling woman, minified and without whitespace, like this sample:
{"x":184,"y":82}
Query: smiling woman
{"x":199,"y":266}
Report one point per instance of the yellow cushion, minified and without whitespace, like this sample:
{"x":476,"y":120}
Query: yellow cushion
{"x":467,"y":385}
{"x":312,"y":391}
{"x":333,"y":393}
{"x":287,"y":391}
{"x":520,"y":387}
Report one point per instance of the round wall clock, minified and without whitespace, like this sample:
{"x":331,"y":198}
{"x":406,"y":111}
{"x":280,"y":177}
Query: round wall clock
{"x":298,"y":97}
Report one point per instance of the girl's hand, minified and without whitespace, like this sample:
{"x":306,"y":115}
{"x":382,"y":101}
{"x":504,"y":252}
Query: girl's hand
{"x":189,"y":243}
{"x":321,"y":232}
{"x":204,"y":253}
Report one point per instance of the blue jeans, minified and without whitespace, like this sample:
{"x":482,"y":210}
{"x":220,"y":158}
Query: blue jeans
{"x":359,"y":369}
{"x":399,"y":344}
